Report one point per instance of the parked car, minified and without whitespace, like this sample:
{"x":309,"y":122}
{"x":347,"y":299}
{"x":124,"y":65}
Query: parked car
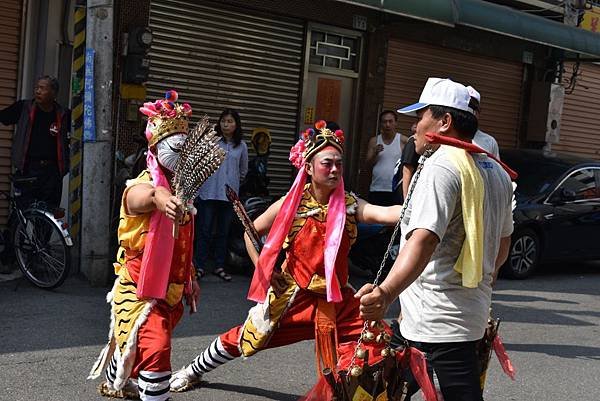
{"x":557,"y":217}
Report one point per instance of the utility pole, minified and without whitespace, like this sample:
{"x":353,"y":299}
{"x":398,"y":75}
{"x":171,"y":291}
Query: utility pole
{"x":573,"y":9}
{"x":98,"y":138}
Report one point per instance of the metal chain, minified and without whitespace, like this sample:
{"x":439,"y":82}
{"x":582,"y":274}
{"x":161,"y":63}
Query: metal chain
{"x":411,"y":189}
{"x":413,"y":183}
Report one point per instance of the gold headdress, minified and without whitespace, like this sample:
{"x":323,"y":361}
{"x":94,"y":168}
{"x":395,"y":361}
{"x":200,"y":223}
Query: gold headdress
{"x":313,"y":141}
{"x":166,"y":118}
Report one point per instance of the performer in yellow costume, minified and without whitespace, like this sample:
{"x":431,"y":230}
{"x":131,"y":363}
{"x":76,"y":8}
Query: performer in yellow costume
{"x":154,"y":271}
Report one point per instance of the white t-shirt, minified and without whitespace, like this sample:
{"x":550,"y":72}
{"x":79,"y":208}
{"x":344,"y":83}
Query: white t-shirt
{"x":436,"y":307}
{"x":383,"y":170}
{"x":486,"y":142}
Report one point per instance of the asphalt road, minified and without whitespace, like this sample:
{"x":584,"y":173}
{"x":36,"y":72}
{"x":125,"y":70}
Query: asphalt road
{"x":49,"y":340}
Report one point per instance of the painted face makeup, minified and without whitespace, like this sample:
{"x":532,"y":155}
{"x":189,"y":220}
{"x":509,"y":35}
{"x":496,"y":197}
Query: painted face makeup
{"x":167,"y":151}
{"x":327,"y":167}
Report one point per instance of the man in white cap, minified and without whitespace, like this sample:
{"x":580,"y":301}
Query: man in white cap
{"x":456,"y":235}
{"x":483,"y":140}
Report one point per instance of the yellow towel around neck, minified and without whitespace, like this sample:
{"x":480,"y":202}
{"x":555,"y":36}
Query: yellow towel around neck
{"x":470,"y":260}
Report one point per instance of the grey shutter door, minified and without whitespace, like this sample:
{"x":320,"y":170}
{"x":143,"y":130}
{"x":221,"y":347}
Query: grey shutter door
{"x":218,"y":57}
{"x":10,"y":34}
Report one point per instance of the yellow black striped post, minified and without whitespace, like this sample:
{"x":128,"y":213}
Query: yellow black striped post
{"x":77,"y":116}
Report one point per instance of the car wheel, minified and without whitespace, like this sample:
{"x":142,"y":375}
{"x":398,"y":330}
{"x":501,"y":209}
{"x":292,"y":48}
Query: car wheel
{"x":524,"y":254}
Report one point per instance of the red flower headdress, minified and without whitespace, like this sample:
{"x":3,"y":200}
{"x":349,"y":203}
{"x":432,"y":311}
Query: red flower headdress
{"x":165,"y":117}
{"x":311,"y":142}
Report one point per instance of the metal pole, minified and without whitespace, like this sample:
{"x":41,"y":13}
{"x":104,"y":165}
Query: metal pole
{"x":78,"y":67}
{"x":97,"y":161}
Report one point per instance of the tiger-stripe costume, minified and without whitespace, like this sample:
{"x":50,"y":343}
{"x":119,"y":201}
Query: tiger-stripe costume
{"x":293,"y":316}
{"x":139,"y":343}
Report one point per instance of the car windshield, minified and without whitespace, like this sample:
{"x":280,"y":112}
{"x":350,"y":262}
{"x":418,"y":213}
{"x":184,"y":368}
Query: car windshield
{"x":535,"y":178}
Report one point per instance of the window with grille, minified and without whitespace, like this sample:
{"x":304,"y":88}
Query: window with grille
{"x":334,"y":50}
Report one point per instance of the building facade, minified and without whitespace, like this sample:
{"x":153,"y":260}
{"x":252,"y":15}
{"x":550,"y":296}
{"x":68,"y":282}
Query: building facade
{"x":285,"y":63}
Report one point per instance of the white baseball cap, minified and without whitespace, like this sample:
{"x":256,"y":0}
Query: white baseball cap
{"x":440,"y":92}
{"x":474,"y":94}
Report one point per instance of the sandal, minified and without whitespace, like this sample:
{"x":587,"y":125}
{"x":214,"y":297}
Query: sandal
{"x":222,"y":274}
{"x":200,"y":273}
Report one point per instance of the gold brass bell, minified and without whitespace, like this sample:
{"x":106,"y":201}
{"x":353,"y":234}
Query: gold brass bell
{"x":380,"y":338}
{"x":386,"y":352}
{"x":387,"y":338}
{"x":356,"y":371}
{"x":368,"y":336}
{"x":361,"y":353}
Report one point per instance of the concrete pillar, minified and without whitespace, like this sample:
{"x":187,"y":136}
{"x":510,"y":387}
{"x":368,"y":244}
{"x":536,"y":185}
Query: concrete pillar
{"x":97,"y":156}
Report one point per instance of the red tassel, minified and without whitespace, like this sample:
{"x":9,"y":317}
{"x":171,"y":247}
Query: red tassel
{"x":418,"y":366}
{"x":322,"y":391}
{"x":505,"y":362}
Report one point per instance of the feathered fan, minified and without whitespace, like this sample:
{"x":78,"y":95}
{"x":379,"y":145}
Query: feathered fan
{"x":199,"y":158}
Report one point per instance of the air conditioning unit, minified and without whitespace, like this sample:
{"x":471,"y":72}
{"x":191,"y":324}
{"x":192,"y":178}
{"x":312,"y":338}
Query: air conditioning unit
{"x":555,"y":108}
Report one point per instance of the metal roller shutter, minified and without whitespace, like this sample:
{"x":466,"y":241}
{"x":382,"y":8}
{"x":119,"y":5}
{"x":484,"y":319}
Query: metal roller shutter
{"x":218,"y":58}
{"x":10,"y":33}
{"x":409,"y":64}
{"x":581,"y":115}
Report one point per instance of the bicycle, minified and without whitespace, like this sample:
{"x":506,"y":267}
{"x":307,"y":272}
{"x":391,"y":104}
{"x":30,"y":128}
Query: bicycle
{"x":39,"y":240}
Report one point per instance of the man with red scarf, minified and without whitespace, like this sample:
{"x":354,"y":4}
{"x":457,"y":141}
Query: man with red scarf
{"x":455,"y":237}
{"x":40,"y":146}
{"x":307,"y":296}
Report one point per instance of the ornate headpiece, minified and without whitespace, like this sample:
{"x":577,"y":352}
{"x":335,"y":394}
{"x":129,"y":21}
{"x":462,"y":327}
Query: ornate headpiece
{"x":311,"y":142}
{"x":165,"y":117}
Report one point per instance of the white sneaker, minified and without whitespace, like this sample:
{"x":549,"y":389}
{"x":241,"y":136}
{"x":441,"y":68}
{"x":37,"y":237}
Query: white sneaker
{"x":184,"y":379}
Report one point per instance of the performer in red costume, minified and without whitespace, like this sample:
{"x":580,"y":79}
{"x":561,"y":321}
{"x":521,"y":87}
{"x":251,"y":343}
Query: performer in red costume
{"x":308,"y":295}
{"x":154,"y":270}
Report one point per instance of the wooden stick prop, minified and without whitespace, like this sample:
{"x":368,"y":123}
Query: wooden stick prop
{"x":200,"y":157}
{"x":241,"y":213}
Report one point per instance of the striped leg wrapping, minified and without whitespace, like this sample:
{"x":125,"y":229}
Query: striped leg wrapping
{"x":111,"y":371}
{"x":212,"y":357}
{"x":153,"y":386}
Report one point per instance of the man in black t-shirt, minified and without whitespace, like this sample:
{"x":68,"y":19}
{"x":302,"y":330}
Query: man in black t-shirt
{"x":405,"y":168}
{"x":40,"y":147}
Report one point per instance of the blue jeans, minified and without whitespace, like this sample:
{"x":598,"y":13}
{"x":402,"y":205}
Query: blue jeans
{"x":217,"y":213}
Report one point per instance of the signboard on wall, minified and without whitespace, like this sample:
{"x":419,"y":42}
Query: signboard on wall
{"x":328,"y":99}
{"x":89,"y":114}
{"x":591,"y":20}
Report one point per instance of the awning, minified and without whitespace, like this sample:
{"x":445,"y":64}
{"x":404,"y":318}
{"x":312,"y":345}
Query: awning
{"x":494,"y":18}
{"x":436,"y":11}
{"x":533,"y":28}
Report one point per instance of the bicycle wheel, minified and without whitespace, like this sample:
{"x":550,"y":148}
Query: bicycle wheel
{"x":41,"y":250}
